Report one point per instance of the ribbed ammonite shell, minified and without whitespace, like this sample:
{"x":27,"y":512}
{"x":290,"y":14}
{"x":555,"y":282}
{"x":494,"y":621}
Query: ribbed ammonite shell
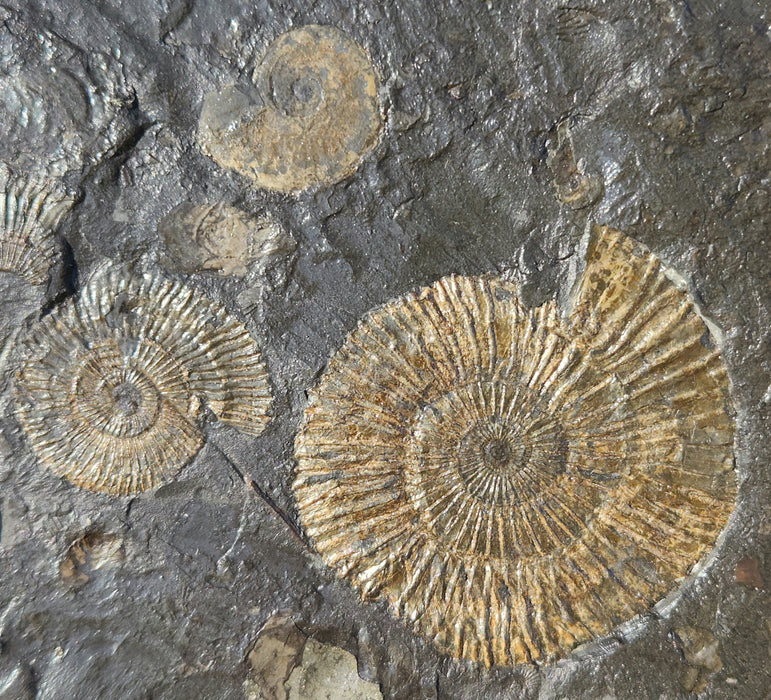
{"x":318,"y":113}
{"x":30,"y":210}
{"x":111,"y":387}
{"x":512,"y":482}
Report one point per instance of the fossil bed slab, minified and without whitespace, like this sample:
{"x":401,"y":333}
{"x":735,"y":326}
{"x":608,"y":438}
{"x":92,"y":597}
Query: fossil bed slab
{"x":505,"y":133}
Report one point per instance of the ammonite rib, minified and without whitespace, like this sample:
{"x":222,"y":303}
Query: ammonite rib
{"x":111,"y":387}
{"x":513,"y":483}
{"x":29,"y":213}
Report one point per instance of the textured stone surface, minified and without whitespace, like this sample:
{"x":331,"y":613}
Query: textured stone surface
{"x":499,"y":121}
{"x":328,"y":673}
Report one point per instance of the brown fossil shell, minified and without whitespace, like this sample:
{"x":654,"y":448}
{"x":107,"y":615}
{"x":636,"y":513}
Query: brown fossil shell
{"x":30,"y":210}
{"x":514,"y":483}
{"x":111,"y":386}
{"x":319,"y":113}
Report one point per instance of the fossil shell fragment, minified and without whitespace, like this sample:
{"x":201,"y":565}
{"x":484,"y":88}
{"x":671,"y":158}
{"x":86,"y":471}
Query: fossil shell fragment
{"x":110,"y":390}
{"x":572,"y":185}
{"x":319,"y":113}
{"x":512,"y":482}
{"x":219,"y":238}
{"x":30,"y":210}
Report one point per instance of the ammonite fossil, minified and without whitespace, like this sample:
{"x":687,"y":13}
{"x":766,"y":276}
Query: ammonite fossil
{"x":219,"y":238}
{"x":514,"y":482}
{"x":317,"y":113}
{"x":112,"y":384}
{"x":30,"y":210}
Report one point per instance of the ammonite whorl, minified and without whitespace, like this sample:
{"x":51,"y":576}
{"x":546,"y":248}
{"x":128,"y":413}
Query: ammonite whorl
{"x":512,"y":482}
{"x":112,"y":384}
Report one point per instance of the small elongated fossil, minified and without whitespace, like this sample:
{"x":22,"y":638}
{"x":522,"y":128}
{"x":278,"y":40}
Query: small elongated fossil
{"x":112,"y":383}
{"x":514,"y":482}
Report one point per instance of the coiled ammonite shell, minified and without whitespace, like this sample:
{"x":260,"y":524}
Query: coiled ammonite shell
{"x":30,"y":210}
{"x":111,"y":387}
{"x":511,"y":482}
{"x":319,"y":113}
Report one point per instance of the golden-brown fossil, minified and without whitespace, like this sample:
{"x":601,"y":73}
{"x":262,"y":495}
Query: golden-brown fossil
{"x":111,"y":387}
{"x":30,"y":210}
{"x":319,"y":113}
{"x":512,"y":482}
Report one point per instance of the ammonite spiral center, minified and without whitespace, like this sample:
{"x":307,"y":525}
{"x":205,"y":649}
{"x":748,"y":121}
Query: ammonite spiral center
{"x":498,"y":453}
{"x":124,"y":402}
{"x":508,"y":455}
{"x":296,"y":91}
{"x":127,"y":398}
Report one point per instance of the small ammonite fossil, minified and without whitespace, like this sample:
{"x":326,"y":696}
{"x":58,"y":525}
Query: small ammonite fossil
{"x":30,"y":211}
{"x":219,"y":238}
{"x":513,"y":482}
{"x":112,"y":384}
{"x":316,"y":116}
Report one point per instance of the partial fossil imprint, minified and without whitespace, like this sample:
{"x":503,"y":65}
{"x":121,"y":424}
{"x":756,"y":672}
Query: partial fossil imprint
{"x":219,"y":238}
{"x":314,"y":116}
{"x":112,"y":385}
{"x":513,"y":482}
{"x":30,"y":210}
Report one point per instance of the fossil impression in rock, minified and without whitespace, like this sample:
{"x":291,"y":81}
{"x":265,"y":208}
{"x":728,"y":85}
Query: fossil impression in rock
{"x":317,"y":113}
{"x":30,"y":211}
{"x":572,"y":185}
{"x":219,"y":238}
{"x":111,"y":387}
{"x":514,"y":482}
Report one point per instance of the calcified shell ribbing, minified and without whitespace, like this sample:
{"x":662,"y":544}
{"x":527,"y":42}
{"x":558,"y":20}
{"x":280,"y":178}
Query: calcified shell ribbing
{"x":29,"y":213}
{"x":112,"y":384}
{"x":514,"y":483}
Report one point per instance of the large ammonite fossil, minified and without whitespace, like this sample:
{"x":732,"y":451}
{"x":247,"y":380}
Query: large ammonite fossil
{"x":317,"y":113}
{"x":112,"y":385}
{"x":512,"y":482}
